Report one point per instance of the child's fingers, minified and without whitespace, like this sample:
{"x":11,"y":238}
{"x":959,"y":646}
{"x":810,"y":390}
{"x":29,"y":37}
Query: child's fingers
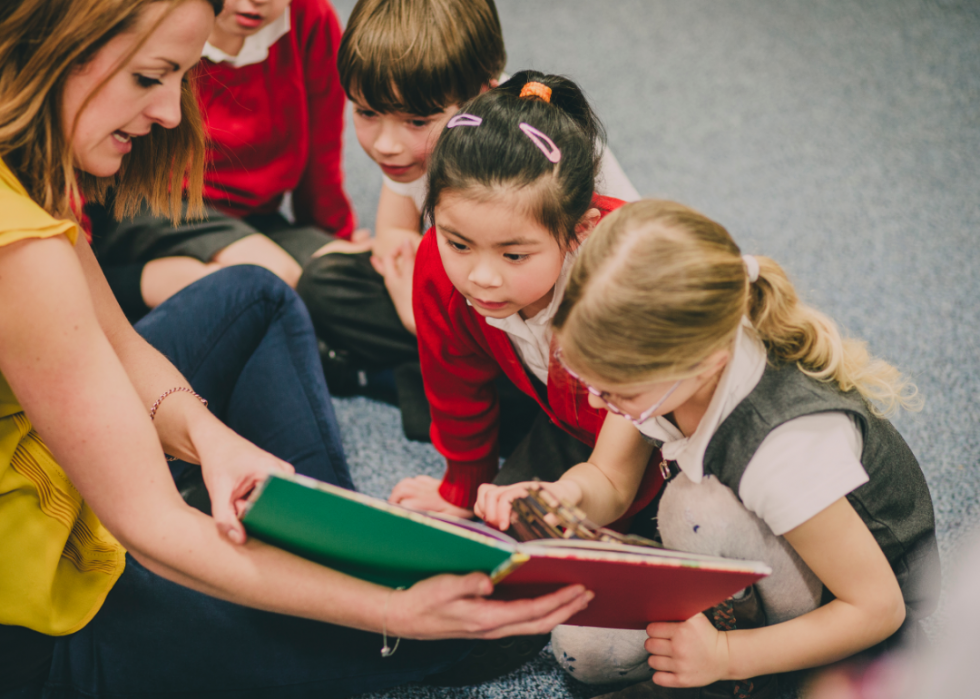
{"x":662,"y":629}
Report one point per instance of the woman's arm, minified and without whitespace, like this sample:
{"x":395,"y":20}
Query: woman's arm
{"x":868,"y":608}
{"x":231,"y":465}
{"x":67,"y":375}
{"x":603,"y":487}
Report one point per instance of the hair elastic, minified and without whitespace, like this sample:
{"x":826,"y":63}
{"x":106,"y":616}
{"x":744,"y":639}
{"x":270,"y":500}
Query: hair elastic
{"x":536,"y":89}
{"x":464,"y":120}
{"x":751,"y":267}
{"x":547,"y":146}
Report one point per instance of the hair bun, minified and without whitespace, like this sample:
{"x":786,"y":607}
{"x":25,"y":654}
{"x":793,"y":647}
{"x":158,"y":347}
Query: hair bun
{"x":535,"y":89}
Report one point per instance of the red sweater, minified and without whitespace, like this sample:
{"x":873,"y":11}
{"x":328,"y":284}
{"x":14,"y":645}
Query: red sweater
{"x":461,"y":356}
{"x":277,"y":126}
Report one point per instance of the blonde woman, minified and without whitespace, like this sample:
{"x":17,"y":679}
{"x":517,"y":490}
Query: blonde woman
{"x":107,"y":579}
{"x":772,"y":425}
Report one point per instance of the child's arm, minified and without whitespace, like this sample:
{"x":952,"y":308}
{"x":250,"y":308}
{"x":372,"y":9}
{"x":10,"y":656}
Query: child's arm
{"x":396,"y":240}
{"x":603,"y":487}
{"x":842,"y":552}
{"x":397,"y":220}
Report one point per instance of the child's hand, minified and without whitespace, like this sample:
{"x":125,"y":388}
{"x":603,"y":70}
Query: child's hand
{"x":397,"y":268}
{"x":422,"y":493}
{"x":360,"y":241}
{"x":493,"y":501}
{"x":687,"y":654}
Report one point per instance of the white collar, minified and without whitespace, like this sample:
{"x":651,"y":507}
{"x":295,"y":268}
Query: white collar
{"x":515,"y":324}
{"x":742,"y":373}
{"x":256,"y":46}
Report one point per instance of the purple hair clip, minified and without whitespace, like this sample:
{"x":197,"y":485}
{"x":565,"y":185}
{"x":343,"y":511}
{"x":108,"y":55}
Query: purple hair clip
{"x":464,"y":120}
{"x":547,"y":146}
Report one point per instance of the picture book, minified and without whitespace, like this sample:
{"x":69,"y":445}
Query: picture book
{"x":392,"y":545}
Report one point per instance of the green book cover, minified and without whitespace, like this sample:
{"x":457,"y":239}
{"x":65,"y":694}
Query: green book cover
{"x":366,"y":537}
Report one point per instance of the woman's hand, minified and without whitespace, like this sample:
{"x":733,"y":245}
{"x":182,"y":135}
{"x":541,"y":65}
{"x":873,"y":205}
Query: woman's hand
{"x":232,"y":467}
{"x":692,"y":653}
{"x":422,"y":493}
{"x":397,"y":268}
{"x":493,"y":501}
{"x":450,"y":606}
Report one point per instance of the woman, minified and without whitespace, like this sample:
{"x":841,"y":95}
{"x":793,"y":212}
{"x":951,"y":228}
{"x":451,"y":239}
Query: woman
{"x":93,"y":93}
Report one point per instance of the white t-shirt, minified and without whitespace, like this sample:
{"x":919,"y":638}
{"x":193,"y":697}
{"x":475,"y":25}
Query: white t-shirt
{"x":801,"y":468}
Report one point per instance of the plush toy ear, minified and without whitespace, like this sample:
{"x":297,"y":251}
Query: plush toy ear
{"x":585,"y":226}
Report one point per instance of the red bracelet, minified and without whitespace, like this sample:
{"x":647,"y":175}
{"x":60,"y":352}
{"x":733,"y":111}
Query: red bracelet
{"x":177,"y":389}
{"x":156,"y":406}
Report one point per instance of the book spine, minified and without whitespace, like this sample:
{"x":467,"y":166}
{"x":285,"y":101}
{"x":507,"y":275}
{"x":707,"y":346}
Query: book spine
{"x":509,"y":566}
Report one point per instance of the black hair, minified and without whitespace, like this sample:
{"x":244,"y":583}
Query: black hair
{"x":498,"y":154}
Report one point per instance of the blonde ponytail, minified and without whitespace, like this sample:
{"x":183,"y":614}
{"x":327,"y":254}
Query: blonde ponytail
{"x":657,"y":288}
{"x":797,"y":333}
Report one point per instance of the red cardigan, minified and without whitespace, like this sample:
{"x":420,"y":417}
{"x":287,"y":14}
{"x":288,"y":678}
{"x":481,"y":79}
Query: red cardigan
{"x":461,"y":356}
{"x":277,"y":126}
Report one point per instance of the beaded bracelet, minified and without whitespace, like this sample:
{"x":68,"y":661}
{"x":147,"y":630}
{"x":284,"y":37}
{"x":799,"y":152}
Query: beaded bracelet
{"x":176,"y":389}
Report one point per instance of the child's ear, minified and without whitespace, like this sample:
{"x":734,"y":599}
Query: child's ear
{"x":490,"y":85}
{"x":584,"y":227}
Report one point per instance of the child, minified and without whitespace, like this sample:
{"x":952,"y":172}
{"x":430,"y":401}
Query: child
{"x":775,"y":424}
{"x":273,"y":107}
{"x":511,"y":193}
{"x":406,"y":66}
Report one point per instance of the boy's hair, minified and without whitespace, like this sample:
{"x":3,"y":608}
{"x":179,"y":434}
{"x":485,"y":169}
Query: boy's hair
{"x":498,"y":157}
{"x":42,"y":42}
{"x":420,"y":56}
{"x":657,"y":288}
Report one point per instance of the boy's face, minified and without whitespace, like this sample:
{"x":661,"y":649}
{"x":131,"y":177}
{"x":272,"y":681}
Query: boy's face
{"x":246,"y":17}
{"x":399,"y":143}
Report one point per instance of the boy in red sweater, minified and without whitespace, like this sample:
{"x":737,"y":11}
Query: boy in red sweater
{"x":511,"y":194}
{"x":273,"y":107}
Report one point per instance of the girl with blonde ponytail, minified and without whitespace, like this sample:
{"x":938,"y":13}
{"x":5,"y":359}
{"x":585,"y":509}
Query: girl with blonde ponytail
{"x":773,"y":426}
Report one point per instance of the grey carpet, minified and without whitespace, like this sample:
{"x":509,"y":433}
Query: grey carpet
{"x":840,"y":138}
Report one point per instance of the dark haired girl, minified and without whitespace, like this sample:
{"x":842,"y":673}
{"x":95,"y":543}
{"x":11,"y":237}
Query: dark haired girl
{"x":511,"y":192}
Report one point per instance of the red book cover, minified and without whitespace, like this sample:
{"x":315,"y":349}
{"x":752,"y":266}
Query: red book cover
{"x":631,"y":589}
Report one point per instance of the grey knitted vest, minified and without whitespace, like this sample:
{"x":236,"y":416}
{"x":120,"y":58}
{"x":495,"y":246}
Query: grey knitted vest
{"x":895,"y":503}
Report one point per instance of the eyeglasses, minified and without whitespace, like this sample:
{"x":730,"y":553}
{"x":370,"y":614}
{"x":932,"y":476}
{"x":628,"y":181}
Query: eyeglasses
{"x":604,"y":395}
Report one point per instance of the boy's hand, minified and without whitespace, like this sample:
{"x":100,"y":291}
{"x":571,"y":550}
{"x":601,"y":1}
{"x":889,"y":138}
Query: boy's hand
{"x":397,"y":268}
{"x":493,"y":501}
{"x":360,"y":241}
{"x":692,"y":653}
{"x":422,"y":493}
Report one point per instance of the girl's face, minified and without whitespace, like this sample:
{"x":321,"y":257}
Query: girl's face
{"x":243,"y":18}
{"x":399,"y":143}
{"x":644,"y":401}
{"x":498,"y":257}
{"x":143,"y":92}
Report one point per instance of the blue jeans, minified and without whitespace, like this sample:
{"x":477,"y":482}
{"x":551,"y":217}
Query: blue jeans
{"x":243,"y":340}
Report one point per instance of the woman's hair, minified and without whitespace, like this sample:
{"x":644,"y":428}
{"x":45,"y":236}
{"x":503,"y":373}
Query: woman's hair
{"x":420,"y":56}
{"x":657,"y":288}
{"x":499,"y":156}
{"x":42,"y":43}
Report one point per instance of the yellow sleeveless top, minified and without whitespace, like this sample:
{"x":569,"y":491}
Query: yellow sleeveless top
{"x":57,"y":561}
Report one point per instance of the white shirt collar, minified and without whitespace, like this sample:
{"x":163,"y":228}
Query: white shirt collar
{"x":256,"y":46}
{"x":742,"y":373}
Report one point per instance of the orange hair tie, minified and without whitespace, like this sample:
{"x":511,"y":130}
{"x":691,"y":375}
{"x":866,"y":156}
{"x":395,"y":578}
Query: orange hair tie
{"x":539,"y":90}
